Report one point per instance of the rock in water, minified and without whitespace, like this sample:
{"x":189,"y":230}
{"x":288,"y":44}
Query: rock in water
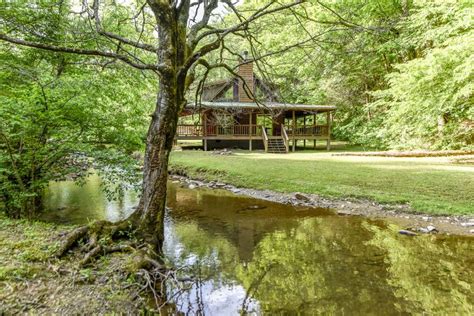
{"x":407,"y":232}
{"x":345,"y":213}
{"x":255,"y":207}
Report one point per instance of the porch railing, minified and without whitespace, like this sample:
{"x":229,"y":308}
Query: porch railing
{"x":218,"y":130}
{"x":233,"y":130}
{"x":190,"y":130}
{"x":315,"y":130}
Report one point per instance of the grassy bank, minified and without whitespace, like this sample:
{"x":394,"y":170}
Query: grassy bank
{"x":33,"y":281}
{"x":436,"y":185}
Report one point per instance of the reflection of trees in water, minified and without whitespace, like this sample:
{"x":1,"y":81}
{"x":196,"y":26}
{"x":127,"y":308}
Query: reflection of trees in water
{"x":433,"y":274}
{"x":81,"y":203}
{"x":202,"y":251}
{"x":308,"y":267}
{"x":296,"y":264}
{"x":234,"y":217}
{"x":210,"y":261}
{"x":319,"y":267}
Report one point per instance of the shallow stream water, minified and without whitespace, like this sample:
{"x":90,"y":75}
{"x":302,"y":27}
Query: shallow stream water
{"x":258,"y":257}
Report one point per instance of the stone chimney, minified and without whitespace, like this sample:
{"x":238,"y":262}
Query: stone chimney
{"x":245,"y":71}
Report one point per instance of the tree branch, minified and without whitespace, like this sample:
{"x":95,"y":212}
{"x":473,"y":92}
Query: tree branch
{"x":221,"y":33}
{"x":244,"y":24}
{"x":80,"y":51}
{"x":100,"y":30}
{"x":208,"y":8}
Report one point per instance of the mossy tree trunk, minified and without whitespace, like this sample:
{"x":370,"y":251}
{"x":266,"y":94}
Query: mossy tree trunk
{"x":149,"y":216}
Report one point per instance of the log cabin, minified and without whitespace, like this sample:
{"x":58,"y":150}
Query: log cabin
{"x":230,"y":117}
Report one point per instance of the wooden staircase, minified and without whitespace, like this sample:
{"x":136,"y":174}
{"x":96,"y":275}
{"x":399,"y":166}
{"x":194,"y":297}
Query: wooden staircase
{"x":276,"y":146}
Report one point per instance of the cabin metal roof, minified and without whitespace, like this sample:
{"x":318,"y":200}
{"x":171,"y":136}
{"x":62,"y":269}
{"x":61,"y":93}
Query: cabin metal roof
{"x":262,"y":105}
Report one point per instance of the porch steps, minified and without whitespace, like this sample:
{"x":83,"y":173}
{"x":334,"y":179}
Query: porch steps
{"x":276,"y":146}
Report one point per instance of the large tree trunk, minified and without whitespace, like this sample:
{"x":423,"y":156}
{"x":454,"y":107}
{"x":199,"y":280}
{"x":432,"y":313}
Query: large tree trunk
{"x":149,"y":217}
{"x":160,"y":137}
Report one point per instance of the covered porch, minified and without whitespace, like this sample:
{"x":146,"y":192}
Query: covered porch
{"x":274,"y":127}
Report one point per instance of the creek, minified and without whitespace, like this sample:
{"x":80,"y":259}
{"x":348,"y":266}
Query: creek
{"x":260,"y":257}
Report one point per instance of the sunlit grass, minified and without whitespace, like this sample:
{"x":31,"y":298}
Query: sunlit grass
{"x":433,"y":185}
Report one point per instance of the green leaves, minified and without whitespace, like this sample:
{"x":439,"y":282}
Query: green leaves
{"x":400,"y":72}
{"x":57,"y":108}
{"x":430,"y":97}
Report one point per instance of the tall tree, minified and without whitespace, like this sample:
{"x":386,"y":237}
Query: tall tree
{"x":172,"y":39}
{"x":56,"y":112}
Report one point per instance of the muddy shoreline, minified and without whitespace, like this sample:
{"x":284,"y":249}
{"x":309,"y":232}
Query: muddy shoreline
{"x":410,"y":222}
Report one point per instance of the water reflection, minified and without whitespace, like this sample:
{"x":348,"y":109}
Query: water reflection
{"x":433,"y":273}
{"x":289,"y":260}
{"x":246,"y":255}
{"x":68,"y":202}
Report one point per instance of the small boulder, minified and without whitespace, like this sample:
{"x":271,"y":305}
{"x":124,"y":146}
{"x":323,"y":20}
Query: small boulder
{"x":407,"y":232}
{"x":428,"y":229}
{"x":344,"y":213}
{"x":301,"y":197}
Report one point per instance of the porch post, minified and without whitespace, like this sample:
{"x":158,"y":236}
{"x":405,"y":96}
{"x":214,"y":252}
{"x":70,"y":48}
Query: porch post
{"x":293,"y":132}
{"x":250,"y":130}
{"x":304,"y":125}
{"x":314,"y":129}
{"x":328,"y":119}
{"x":204,"y":134}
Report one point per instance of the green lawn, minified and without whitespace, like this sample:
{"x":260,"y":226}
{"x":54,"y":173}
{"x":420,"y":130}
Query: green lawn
{"x":430,"y":185}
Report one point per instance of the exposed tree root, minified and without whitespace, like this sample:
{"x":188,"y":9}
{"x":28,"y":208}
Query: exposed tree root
{"x":98,"y":239}
{"x":71,"y":239}
{"x":102,"y":238}
{"x":90,"y":255}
